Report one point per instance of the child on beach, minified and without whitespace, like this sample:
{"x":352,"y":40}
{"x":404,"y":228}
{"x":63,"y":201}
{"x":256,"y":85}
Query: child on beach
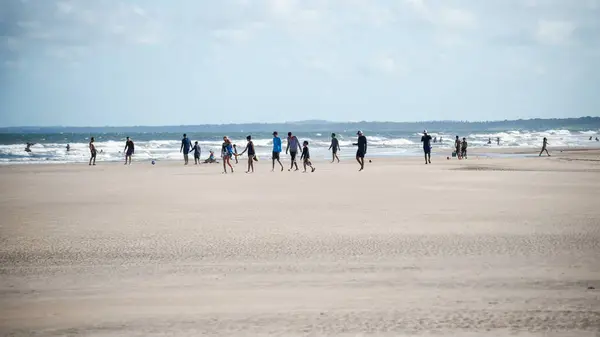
{"x":235,"y":153}
{"x":334,"y":147}
{"x":251,"y":154}
{"x":92,"y":152}
{"x":463,"y":149}
{"x":197,"y":151}
{"x":211,"y":158}
{"x":226,"y":152}
{"x":305,"y":157}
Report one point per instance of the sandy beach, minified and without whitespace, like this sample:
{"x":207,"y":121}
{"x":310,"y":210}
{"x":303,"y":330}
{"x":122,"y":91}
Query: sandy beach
{"x":484,"y":246}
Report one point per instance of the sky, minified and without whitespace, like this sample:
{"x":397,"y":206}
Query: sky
{"x":181,"y":62}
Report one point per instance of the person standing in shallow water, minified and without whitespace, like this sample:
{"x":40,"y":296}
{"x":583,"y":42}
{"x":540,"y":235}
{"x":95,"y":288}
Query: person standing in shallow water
{"x":426,"y":140}
{"x":544,"y":145}
{"x":93,"y":152}
{"x":334,"y":147}
{"x":186,"y":146}
{"x":276,"y":151}
{"x":129,"y":149}
{"x":362,"y":150}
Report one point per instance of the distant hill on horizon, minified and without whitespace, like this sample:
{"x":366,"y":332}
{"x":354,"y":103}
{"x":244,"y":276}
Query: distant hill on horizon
{"x":581,"y":123}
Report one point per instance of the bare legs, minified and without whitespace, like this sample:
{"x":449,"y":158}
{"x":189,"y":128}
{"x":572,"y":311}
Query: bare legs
{"x":546,"y":150}
{"x":361,"y":161}
{"x":227,"y":162}
{"x":279,"y":164}
{"x":250,"y":164}
{"x":334,"y":156}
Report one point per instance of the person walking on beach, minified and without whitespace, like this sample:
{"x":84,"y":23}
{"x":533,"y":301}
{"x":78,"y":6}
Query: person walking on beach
{"x":426,"y":140}
{"x":457,"y":147}
{"x":276,"y":151}
{"x":186,"y":146}
{"x":334,"y":147}
{"x":251,"y":154}
{"x":362,"y":149}
{"x":197,"y":152}
{"x":129,"y":149}
{"x":463,"y":148}
{"x":544,"y":144}
{"x":305,"y":157}
{"x":293,"y":145}
{"x":226,"y":153}
{"x":92,"y":152}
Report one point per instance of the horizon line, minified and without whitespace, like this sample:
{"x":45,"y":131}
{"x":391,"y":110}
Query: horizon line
{"x":305,"y":122}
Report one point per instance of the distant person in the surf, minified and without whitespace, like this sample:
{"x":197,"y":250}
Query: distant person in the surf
{"x":197,"y":151}
{"x":68,"y":147}
{"x":93,"y":152}
{"x":590,"y":137}
{"x":276,"y":151}
{"x":498,"y":140}
{"x":463,"y":148}
{"x":293,"y":145}
{"x":129,"y":149}
{"x":28,"y":148}
{"x":597,"y":139}
{"x":435,"y":139}
{"x":186,"y":146}
{"x":334,"y":147}
{"x":544,"y":145}
{"x":440,"y":139}
{"x":362,"y":149}
{"x":490,"y":141}
{"x":426,"y":140}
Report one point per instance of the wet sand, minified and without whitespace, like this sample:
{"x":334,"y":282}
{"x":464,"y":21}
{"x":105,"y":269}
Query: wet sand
{"x":463,"y":248}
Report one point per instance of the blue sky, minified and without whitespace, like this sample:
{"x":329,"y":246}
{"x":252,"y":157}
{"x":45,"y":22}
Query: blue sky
{"x":150,"y":62}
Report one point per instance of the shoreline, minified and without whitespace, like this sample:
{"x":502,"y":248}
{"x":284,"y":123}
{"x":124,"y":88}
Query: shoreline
{"x":475,"y":153}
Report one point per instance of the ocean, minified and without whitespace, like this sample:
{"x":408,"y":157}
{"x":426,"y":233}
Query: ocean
{"x":384,"y":139}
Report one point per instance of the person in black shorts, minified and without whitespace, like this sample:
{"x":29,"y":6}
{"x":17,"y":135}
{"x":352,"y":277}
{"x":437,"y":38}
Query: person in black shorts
{"x":129,"y":149}
{"x":362,"y":149}
{"x":334,"y":147}
{"x":251,"y":154}
{"x":276,"y":150}
{"x":463,"y":148}
{"x":305,"y":157}
{"x":197,"y":152}
{"x":426,"y":140}
{"x":92,"y":152}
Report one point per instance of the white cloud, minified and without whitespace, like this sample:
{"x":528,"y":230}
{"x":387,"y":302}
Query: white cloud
{"x":554,"y":32}
{"x":388,"y":64}
{"x":457,"y":18}
{"x":232,"y":35}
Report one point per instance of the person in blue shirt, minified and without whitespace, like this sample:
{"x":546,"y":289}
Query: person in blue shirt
{"x":186,"y":146}
{"x":276,"y":150}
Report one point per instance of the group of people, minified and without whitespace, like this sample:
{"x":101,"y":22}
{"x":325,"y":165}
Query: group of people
{"x":229,"y":152}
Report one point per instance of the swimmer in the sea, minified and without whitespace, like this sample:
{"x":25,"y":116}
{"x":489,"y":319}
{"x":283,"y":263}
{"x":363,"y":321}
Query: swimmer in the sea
{"x":28,"y":148}
{"x":68,"y":147}
{"x":544,"y":144}
{"x":92,"y":152}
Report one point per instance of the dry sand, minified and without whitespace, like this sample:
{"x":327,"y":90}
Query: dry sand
{"x":462,"y":248}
